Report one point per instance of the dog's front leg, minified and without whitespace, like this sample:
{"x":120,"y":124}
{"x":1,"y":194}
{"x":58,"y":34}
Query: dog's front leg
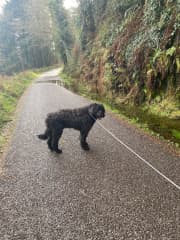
{"x":49,"y":141}
{"x":83,"y":136}
{"x":56,"y":135}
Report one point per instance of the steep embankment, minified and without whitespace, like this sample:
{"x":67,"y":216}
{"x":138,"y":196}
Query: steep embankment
{"x":135,"y":57}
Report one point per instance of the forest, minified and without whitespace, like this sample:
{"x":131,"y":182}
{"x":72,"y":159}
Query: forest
{"x":126,"y":52}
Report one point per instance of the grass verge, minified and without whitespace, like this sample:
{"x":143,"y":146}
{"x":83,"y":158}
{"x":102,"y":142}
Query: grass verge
{"x":11,"y":89}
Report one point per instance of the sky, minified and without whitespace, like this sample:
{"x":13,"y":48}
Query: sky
{"x":67,"y":4}
{"x":2,"y":4}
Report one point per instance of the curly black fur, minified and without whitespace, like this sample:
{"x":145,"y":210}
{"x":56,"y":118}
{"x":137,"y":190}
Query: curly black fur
{"x":81,"y":119}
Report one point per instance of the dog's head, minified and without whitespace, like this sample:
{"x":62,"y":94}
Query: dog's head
{"x":97,"y":110}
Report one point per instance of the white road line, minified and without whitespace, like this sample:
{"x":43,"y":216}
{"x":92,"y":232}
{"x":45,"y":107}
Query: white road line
{"x":137,"y":155}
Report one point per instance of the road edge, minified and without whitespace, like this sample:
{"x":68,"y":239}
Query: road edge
{"x":9,"y":129}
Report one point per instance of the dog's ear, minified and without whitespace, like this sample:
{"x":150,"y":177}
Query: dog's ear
{"x":92,"y":108}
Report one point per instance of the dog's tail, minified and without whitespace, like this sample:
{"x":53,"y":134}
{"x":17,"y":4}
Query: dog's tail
{"x":43,"y":136}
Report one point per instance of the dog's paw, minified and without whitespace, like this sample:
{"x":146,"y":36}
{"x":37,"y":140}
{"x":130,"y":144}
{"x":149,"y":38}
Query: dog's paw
{"x":50,"y":148}
{"x":85,"y":147}
{"x":59,"y":151}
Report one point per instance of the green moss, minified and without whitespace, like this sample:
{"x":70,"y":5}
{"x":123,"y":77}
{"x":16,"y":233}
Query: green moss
{"x":176,"y":133}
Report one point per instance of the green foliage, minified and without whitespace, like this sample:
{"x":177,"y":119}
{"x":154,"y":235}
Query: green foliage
{"x":170,"y":52}
{"x":178,"y":64}
{"x":10,"y":91}
{"x":77,"y":86}
{"x":168,"y":107}
{"x":24,"y":41}
{"x":159,"y":54}
{"x":163,"y":67}
{"x":165,"y":16}
{"x":139,"y":37}
{"x":67,"y":80}
{"x":108,"y":75}
{"x":62,"y":33}
{"x":11,"y":88}
{"x":87,"y":21}
{"x":176,"y":133}
{"x":152,"y":11}
{"x":141,"y":62}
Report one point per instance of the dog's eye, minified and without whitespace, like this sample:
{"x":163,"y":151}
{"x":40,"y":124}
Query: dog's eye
{"x":99,"y":113}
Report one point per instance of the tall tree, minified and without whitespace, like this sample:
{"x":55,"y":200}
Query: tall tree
{"x":62,"y":33}
{"x":87,"y":21}
{"x":26,"y":39}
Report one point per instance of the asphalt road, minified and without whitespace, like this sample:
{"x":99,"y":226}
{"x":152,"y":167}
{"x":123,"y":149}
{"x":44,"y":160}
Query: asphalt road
{"x":105,"y":194}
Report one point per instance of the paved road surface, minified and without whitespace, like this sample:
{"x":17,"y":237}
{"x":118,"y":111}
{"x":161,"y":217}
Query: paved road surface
{"x":104,"y":194}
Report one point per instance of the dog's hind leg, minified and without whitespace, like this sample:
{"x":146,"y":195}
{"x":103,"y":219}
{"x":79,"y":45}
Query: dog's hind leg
{"x":56,"y":135}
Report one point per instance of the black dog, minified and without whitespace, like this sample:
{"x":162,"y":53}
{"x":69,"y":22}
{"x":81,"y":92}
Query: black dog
{"x":81,"y":119}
